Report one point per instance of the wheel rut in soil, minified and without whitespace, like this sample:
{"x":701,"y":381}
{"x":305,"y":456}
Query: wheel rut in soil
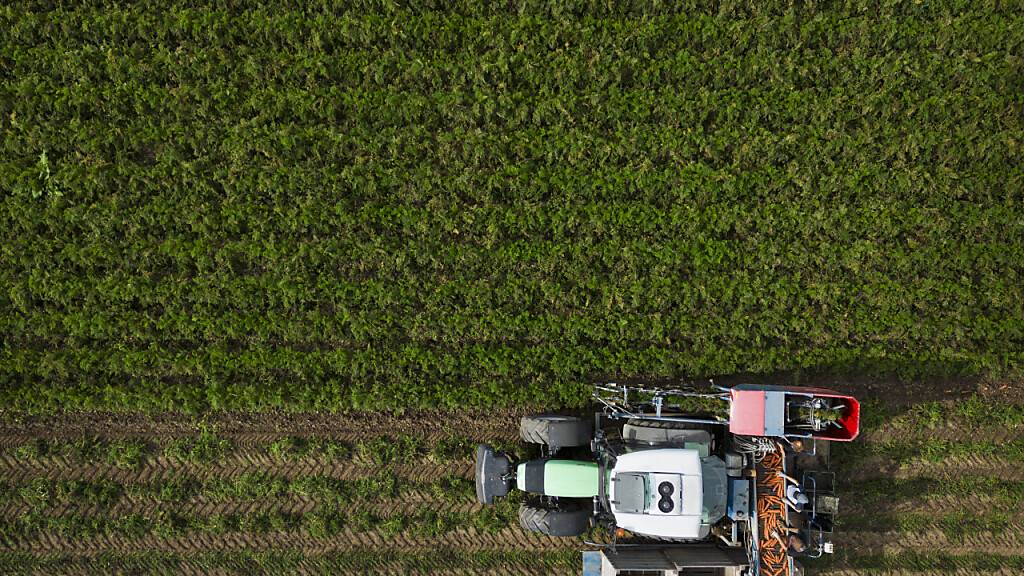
{"x":262,"y":428}
{"x":512,"y":538}
{"x":420,"y":469}
{"x":89,"y":564}
{"x":206,"y":508}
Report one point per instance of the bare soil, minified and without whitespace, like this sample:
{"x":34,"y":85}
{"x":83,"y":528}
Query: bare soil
{"x":261,"y":428}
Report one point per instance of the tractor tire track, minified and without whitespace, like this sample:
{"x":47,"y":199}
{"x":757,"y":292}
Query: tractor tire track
{"x":468,"y":539}
{"x":264,"y":427}
{"x":86,"y":565}
{"x":202,"y":507}
{"x":164,"y":469}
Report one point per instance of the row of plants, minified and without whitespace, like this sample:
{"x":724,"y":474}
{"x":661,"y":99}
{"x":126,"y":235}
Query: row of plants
{"x":957,"y":526}
{"x":326,"y":522}
{"x":974,"y":413}
{"x":886,"y":491}
{"x":208,"y":447}
{"x":44,"y":493}
{"x":204,"y":448}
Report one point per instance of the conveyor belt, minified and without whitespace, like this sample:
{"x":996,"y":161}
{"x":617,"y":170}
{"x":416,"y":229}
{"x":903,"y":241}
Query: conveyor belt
{"x":772,"y":516}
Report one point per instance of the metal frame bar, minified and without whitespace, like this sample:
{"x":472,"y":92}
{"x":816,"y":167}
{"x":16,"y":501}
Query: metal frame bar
{"x":809,"y":483}
{"x":624,"y":409}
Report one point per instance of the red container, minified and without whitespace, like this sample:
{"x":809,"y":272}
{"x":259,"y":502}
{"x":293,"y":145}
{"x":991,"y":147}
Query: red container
{"x":760,"y":410}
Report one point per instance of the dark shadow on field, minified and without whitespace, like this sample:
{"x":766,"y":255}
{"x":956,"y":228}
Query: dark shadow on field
{"x":892,"y":387}
{"x":889,"y":388}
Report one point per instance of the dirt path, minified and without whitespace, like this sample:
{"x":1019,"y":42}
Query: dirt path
{"x":163,"y":469}
{"x":470,"y":539}
{"x":89,"y":564}
{"x":254,"y":429}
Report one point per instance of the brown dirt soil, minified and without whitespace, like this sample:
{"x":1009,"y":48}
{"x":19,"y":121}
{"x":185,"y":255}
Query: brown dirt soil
{"x":250,"y":435}
{"x":87,"y":564}
{"x":201,"y":507}
{"x":262,"y":428}
{"x":470,"y":539}
{"x":161,"y":469}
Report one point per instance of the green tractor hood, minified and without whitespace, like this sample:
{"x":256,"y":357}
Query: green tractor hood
{"x":563,"y":478}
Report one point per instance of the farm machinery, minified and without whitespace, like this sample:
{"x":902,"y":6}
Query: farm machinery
{"x":731,"y":481}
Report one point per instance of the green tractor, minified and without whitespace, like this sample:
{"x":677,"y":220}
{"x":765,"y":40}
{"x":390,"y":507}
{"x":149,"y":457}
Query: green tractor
{"x":650,"y":472}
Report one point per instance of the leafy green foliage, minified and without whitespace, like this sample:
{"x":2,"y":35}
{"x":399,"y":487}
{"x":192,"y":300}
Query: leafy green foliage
{"x":40,"y":492}
{"x":322,"y":523}
{"x":205,"y":448}
{"x":387,"y":449}
{"x":315,"y":210}
{"x":924,"y":561}
{"x":292,"y":447}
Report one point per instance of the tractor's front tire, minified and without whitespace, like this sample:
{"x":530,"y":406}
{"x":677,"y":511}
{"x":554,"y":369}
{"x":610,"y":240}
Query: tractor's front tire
{"x":570,"y":521}
{"x":555,"y":431}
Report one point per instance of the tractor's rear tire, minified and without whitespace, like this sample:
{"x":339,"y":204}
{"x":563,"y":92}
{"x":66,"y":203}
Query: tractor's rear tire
{"x":555,"y":431}
{"x":655,"y":432}
{"x":569,"y":521}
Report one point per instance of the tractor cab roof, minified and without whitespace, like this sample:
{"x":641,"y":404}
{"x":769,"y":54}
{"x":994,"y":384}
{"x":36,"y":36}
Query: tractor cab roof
{"x":658,"y":492}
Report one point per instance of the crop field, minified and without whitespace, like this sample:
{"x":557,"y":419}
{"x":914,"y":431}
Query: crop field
{"x":932,"y":488}
{"x":268,"y":273}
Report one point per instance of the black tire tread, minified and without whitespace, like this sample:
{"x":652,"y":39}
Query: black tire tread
{"x":554,"y":522}
{"x":539,"y":430}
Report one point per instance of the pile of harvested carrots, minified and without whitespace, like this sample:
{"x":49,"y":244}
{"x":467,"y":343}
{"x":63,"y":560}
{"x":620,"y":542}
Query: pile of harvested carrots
{"x":771,"y":513}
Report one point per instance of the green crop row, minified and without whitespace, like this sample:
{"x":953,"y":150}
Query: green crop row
{"x":203,"y":448}
{"x":208,"y":448}
{"x":899,"y":452}
{"x":42,"y":493}
{"x":914,"y":561}
{"x":973,"y":412}
{"x":326,"y":522}
{"x":887,"y":491}
{"x":956,"y":526}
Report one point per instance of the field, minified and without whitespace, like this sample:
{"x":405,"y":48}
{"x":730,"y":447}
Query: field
{"x":286,"y":233}
{"x":932,"y":489}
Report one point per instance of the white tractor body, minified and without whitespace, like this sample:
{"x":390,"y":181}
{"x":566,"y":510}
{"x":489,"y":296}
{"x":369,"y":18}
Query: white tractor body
{"x":659,"y":493}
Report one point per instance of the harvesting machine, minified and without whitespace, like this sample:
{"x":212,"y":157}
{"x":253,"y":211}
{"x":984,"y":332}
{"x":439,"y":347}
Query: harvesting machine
{"x":729,"y":481}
